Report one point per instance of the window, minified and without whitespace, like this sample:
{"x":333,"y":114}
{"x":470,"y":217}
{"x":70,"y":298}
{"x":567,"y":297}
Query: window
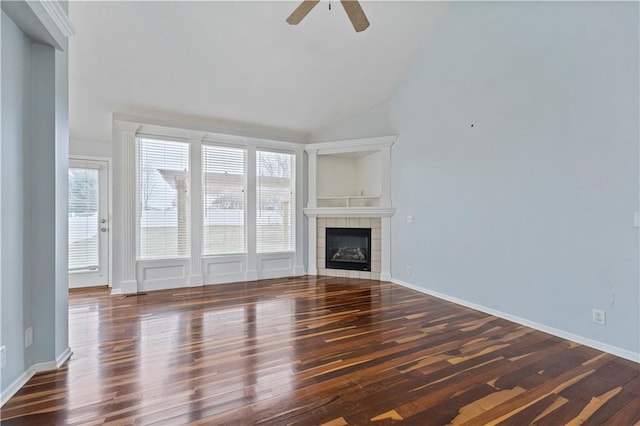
{"x":275,"y":201}
{"x":223,"y":200}
{"x":162,"y":199}
{"x":84,"y":223}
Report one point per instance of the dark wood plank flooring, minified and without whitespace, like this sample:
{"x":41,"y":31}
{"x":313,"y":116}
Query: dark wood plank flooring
{"x":315,"y":351}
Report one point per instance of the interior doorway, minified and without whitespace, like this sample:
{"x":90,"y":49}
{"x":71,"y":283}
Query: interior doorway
{"x":89,"y":253}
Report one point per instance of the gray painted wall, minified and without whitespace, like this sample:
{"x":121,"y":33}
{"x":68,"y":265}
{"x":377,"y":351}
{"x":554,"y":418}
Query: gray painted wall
{"x":43,"y":195}
{"x":34,"y":202}
{"x":61,"y":173}
{"x":49,"y":187}
{"x":530,"y":211}
{"x":16,"y":113}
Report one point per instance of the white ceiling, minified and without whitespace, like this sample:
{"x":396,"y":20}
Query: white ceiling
{"x":237,"y":63}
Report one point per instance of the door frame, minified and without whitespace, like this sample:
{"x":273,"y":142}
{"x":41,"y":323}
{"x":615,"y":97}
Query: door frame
{"x":108,"y":182}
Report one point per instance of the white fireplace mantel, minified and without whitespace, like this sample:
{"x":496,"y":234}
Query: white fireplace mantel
{"x":349,"y":212}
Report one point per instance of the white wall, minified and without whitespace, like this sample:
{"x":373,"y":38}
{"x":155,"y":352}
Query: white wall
{"x":91,"y":148}
{"x":373,"y":122}
{"x":530,"y":211}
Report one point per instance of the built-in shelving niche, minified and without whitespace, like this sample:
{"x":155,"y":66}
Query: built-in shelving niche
{"x":350,"y":174}
{"x":350,"y":179}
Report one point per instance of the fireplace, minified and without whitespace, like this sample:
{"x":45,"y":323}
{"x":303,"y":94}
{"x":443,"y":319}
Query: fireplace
{"x":348,"y":248}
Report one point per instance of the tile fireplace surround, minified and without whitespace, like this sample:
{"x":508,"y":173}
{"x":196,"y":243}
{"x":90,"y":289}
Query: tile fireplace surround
{"x":378,"y":219}
{"x":349,"y":222}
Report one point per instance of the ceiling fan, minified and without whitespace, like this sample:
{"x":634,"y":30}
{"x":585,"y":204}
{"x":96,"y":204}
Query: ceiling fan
{"x":352,"y":7}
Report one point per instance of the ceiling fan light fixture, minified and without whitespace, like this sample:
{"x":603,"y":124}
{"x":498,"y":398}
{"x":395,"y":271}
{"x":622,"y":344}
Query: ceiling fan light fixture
{"x":356,"y":14}
{"x":301,"y":11}
{"x":352,"y":8}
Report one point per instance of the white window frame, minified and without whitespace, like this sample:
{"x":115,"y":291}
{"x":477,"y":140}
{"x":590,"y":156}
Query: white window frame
{"x":137,"y":195}
{"x":294,"y":197}
{"x":245,"y":200}
{"x":132,"y":275}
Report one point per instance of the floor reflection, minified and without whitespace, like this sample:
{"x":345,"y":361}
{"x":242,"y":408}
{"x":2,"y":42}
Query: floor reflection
{"x":180,"y":360}
{"x":309,"y":351}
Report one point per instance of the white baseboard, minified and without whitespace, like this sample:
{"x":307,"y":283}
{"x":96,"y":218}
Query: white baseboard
{"x":605,"y":347}
{"x":17,"y":384}
{"x":129,"y":287}
{"x":39,"y":367}
{"x":42,"y":367}
{"x":116,"y":292}
{"x":196,"y":280}
{"x":276,"y":273}
{"x":63,"y":357}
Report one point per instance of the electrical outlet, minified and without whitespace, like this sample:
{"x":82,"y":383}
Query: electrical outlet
{"x":3,"y":356}
{"x":28,"y":337}
{"x":408,"y":270}
{"x":597,"y":316}
{"x":410,"y":219}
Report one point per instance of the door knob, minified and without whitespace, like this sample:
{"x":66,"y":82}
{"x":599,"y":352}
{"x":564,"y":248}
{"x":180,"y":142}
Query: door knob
{"x":103,"y":229}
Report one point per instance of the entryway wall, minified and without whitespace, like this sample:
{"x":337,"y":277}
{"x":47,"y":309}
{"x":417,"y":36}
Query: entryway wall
{"x":33,"y":249}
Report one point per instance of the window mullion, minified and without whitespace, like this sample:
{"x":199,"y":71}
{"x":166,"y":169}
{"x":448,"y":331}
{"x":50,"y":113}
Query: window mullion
{"x":252,"y":263}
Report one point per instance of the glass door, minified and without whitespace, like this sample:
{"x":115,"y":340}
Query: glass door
{"x":88,"y":224}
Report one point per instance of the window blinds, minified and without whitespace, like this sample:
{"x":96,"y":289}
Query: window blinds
{"x":162,"y":199}
{"x":84,"y":219}
{"x":223,"y":200}
{"x":275,"y":201}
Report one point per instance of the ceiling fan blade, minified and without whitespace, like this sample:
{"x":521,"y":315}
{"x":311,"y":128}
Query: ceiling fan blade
{"x":356,"y":14}
{"x":301,"y":11}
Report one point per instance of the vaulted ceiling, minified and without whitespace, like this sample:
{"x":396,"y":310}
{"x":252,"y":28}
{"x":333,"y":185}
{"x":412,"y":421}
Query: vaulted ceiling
{"x":238,"y":63}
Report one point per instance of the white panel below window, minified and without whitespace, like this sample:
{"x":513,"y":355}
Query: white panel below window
{"x":275,"y":265}
{"x":163,"y":274}
{"x":224,"y":269}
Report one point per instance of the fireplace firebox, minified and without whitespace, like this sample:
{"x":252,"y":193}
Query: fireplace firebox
{"x":348,"y":248}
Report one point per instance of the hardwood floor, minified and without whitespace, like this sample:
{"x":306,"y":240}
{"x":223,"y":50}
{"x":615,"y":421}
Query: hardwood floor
{"x":309,"y":351}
